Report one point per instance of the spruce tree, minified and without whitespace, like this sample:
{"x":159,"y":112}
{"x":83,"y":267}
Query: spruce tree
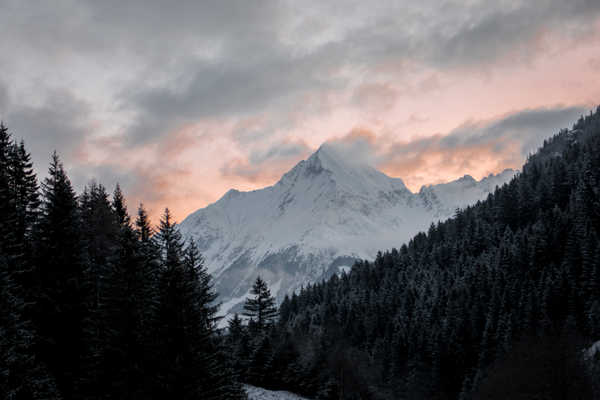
{"x":22,"y":374}
{"x":260,"y":308}
{"x":193,"y":366}
{"x":174,"y":345}
{"x":7,"y":196}
{"x":59,"y":310}
{"x":24,"y":189}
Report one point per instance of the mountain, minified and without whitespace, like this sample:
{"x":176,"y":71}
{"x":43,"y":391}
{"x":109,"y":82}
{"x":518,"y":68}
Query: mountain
{"x":324,"y":214}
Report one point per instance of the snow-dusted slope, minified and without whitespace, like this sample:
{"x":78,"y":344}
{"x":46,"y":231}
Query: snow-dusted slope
{"x":256,"y":393}
{"x":321,"y":216}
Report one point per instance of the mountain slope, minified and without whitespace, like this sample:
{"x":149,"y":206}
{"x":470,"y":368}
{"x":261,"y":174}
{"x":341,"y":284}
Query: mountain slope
{"x":322,"y":215}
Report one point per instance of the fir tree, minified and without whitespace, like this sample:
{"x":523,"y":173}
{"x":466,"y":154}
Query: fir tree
{"x":194,"y":367}
{"x":260,"y":308}
{"x":22,"y":374}
{"x":59,"y":309}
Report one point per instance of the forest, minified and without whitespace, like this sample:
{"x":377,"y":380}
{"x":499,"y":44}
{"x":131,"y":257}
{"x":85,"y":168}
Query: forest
{"x":497,"y":302}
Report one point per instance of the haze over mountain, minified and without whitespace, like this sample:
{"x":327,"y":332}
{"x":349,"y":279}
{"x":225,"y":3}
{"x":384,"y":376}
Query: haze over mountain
{"x":322,"y":215}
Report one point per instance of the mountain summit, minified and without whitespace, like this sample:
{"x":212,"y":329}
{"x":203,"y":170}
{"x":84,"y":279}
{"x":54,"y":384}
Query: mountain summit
{"x":325,"y":213}
{"x":347,"y":174}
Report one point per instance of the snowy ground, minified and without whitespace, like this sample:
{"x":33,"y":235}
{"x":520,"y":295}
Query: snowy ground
{"x":256,"y":393}
{"x":591,"y":352}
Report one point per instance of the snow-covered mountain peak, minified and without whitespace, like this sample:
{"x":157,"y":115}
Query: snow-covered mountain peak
{"x":330,"y":158}
{"x":323,"y":214}
{"x":467,"y":178}
{"x":331,"y":167}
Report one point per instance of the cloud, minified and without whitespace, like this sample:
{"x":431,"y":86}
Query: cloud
{"x":214,"y":94}
{"x":359,"y":146}
{"x":375,"y":96}
{"x":60,"y":122}
{"x":530,"y":127}
{"x":184,"y":62}
{"x":280,"y":151}
{"x":227,"y":88}
{"x":477,"y":148}
{"x":3,"y":97}
{"x":594,"y":63}
{"x":265,"y":166}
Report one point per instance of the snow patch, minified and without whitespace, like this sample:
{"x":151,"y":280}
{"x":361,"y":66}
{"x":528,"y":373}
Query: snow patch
{"x":344,"y":269}
{"x":256,"y":393}
{"x":591,"y":352}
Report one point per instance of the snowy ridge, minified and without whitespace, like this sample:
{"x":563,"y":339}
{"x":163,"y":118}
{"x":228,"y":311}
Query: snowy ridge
{"x":322,"y":215}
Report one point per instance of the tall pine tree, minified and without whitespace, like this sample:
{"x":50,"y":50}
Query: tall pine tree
{"x":260,"y":308}
{"x":59,"y":310}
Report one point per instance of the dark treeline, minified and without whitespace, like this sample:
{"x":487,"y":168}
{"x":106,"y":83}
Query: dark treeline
{"x":497,"y":302}
{"x":95,"y":305}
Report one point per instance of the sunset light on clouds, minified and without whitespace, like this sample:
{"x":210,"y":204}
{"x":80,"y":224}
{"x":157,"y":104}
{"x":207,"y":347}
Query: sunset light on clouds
{"x":199,"y":97}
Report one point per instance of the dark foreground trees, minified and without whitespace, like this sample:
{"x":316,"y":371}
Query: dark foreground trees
{"x":551,"y":367}
{"x":94,"y":306}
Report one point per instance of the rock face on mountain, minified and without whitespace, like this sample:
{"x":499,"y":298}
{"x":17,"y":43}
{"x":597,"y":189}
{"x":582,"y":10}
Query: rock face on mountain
{"x":316,"y":221}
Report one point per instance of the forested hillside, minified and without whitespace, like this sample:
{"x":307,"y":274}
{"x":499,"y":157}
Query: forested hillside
{"x":496,"y":302}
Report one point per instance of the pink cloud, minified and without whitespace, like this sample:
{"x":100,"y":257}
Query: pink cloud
{"x":390,"y":108}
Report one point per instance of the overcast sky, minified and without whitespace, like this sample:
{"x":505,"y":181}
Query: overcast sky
{"x":181,"y":100}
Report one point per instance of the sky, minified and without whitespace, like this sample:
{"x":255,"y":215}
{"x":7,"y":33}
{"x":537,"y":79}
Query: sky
{"x":181,"y":101}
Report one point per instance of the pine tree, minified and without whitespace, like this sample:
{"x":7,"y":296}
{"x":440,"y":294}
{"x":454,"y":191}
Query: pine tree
{"x":204,"y":293}
{"x":59,"y":309}
{"x":24,"y":189}
{"x":194,"y":366}
{"x":131,"y":302}
{"x":143,"y":228}
{"x":238,"y":343}
{"x":101,"y":243}
{"x":120,"y":209}
{"x":261,"y":307}
{"x":235,"y":328}
{"x":7,"y":196}
{"x":22,"y":375}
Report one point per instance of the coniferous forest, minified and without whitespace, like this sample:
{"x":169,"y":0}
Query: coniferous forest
{"x":96,"y":303}
{"x":498,"y":302}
